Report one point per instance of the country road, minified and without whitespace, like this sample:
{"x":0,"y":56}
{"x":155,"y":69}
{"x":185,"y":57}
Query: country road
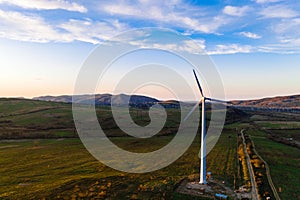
{"x":254,"y":192}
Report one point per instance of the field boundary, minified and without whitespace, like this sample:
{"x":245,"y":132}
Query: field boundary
{"x":29,"y":112}
{"x":267,"y":172}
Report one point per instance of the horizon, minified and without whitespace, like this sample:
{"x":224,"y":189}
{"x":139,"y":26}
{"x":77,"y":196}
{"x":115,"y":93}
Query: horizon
{"x":254,"y":45}
{"x":138,"y":94}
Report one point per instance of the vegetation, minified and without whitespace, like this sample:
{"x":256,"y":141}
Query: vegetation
{"x":35,"y":119}
{"x":53,"y":163}
{"x":284,"y":165}
{"x":279,"y":124}
{"x":63,"y":168}
{"x":259,"y":169}
{"x":243,"y":166}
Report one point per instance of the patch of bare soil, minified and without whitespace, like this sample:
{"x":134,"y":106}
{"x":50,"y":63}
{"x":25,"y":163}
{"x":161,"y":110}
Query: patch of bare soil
{"x":209,"y":190}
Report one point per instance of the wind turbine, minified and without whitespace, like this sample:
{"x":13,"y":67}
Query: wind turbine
{"x":203,"y":129}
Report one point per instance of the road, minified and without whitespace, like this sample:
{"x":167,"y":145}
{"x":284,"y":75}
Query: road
{"x":254,"y":192}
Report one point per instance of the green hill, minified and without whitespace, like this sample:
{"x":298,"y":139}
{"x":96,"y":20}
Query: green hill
{"x":21,"y":118}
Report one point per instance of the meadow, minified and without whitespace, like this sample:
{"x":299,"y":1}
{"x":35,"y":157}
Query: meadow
{"x":59,"y":168}
{"x":284,"y":165}
{"x":41,"y":155}
{"x":270,"y":133}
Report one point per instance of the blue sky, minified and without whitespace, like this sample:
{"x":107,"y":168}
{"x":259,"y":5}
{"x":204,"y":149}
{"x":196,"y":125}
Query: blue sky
{"x":255,"y":44}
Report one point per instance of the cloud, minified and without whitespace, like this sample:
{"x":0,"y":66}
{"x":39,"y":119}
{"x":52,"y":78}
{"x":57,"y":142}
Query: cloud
{"x":281,"y":27}
{"x":141,"y":39}
{"x":32,"y":28}
{"x":287,"y":33}
{"x":235,"y":11}
{"x":92,"y":31}
{"x":46,"y":5}
{"x":278,"y":11}
{"x":230,"y":49}
{"x":250,"y":35}
{"x":288,"y":47}
{"x":188,"y":46}
{"x":172,"y":13}
{"x":288,"y":26}
{"x":17,"y":26}
{"x":267,"y":1}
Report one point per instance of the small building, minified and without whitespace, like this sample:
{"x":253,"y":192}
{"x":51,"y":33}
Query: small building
{"x":221,"y":196}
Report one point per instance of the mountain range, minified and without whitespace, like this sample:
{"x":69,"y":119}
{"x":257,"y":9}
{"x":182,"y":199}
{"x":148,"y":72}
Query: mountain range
{"x":102,"y":99}
{"x":280,"y":102}
{"x":292,"y":102}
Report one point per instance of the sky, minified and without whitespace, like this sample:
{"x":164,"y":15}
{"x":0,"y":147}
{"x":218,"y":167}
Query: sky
{"x":254,"y":44}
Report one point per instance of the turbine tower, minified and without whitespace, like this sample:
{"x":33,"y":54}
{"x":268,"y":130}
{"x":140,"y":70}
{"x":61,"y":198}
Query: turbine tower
{"x":203,"y":129}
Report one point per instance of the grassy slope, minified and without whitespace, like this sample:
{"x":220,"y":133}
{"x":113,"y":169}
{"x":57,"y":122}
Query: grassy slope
{"x":35,"y":119}
{"x":53,"y":168}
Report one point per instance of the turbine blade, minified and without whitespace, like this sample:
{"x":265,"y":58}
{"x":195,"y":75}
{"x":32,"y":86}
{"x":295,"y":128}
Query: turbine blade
{"x":193,"y":109}
{"x":217,"y":100}
{"x":199,"y":86}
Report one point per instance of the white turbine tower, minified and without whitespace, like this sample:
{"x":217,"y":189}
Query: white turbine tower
{"x":203,"y":129}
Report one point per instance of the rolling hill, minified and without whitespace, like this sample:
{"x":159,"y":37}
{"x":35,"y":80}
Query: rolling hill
{"x":272,"y":102}
{"x":280,"y":102}
{"x":102,"y":99}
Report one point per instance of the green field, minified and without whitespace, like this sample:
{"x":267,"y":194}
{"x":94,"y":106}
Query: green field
{"x":279,"y":124}
{"x":284,"y":166}
{"x":62,"y":168}
{"x":295,"y":133}
{"x":46,"y":159}
{"x":283,"y":159}
{"x":35,"y":119}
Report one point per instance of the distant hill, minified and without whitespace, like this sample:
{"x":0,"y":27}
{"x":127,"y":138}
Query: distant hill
{"x":280,"y":102}
{"x":103,"y":99}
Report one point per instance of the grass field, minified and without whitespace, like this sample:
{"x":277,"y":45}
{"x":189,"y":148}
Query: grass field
{"x":284,"y":166}
{"x":39,"y":119}
{"x":35,"y":119}
{"x":295,"y":134}
{"x":62,"y":168}
{"x":53,"y":163}
{"x":283,"y":159}
{"x":279,"y":124}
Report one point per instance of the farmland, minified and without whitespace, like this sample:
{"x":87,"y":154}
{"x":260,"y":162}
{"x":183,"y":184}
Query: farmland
{"x":59,"y":168}
{"x":41,"y":156}
{"x":284,"y":165}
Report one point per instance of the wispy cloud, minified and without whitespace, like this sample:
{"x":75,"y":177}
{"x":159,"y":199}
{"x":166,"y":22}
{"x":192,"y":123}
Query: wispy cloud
{"x":250,"y":35}
{"x":188,"y":46}
{"x":230,"y":49}
{"x":145,"y":38}
{"x":176,"y":15}
{"x":288,"y":47}
{"x":235,"y":11}
{"x":46,"y":5}
{"x":278,"y":11}
{"x":276,"y":22}
{"x":92,"y":31}
{"x":267,"y":1}
{"x":32,"y":28}
{"x":287,"y":33}
{"x":288,"y":26}
{"x":17,"y":26}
